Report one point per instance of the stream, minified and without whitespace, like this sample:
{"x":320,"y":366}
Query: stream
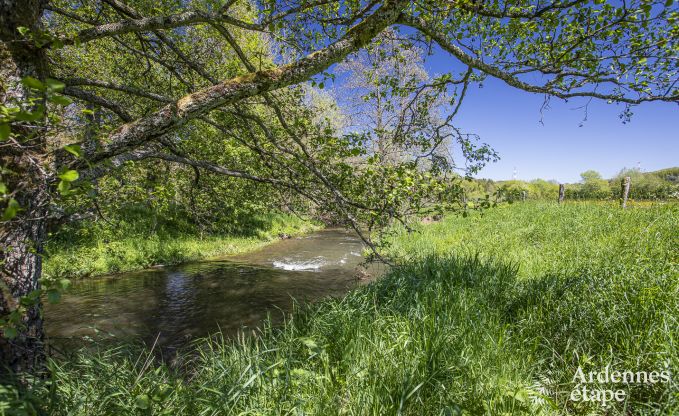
{"x":170,"y":306}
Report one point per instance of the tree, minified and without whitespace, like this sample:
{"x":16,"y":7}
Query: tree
{"x":403,"y":112}
{"x":618,"y":52}
{"x":593,"y":185}
{"x":542,"y":189}
{"x":381,"y":83}
{"x":513,"y":190}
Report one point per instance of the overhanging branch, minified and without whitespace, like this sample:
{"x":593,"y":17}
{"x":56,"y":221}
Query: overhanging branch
{"x":189,"y":18}
{"x":133,"y":134}
{"x":427,"y":29}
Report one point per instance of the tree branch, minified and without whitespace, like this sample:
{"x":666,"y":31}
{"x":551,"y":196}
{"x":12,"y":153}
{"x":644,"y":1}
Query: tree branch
{"x":189,"y":18}
{"x":131,"y":12}
{"x":95,"y":99}
{"x":72,"y":82}
{"x":427,"y":29}
{"x":480,"y":9}
{"x":233,"y":90}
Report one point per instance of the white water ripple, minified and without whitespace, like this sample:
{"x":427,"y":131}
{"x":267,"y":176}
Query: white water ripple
{"x":300,"y":265}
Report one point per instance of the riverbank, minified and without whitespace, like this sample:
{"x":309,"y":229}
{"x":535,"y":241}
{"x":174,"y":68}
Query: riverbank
{"x":133,"y":244}
{"x":490,"y":314}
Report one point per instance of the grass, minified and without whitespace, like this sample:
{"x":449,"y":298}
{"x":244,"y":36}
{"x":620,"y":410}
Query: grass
{"x":490,"y":314}
{"x":134,"y":243}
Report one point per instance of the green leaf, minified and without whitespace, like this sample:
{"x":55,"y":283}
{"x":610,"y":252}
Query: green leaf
{"x":60,"y":100}
{"x":11,"y":210}
{"x":63,"y":187}
{"x":74,"y":149}
{"x":69,"y":176}
{"x":64,"y":283}
{"x":10,"y":332}
{"x":57,"y":44}
{"x":31,"y":82}
{"x":5,"y":131}
{"x":3,"y":188}
{"x":53,"y":296}
{"x":33,"y":115}
{"x":142,"y":401}
{"x":55,"y":84}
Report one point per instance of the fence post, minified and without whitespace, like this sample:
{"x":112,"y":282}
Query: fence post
{"x":624,"y":192}
{"x":562,"y":192}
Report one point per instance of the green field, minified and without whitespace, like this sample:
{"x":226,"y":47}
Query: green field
{"x":489,"y":314}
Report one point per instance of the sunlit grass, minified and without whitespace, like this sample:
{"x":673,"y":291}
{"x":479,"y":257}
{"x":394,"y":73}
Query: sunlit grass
{"x":132,"y":245}
{"x":490,"y":315}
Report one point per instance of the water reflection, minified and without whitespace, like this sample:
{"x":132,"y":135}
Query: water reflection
{"x":176,"y":304}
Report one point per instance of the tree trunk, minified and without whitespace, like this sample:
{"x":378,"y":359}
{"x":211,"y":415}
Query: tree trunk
{"x":24,"y":156}
{"x":624,"y":192}
{"x":21,"y":240}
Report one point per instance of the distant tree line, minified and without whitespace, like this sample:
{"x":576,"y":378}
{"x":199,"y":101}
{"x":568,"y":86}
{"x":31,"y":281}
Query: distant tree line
{"x":658,"y":185}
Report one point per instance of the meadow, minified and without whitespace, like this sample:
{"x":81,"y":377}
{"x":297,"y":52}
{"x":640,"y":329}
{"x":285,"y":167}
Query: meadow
{"x":488,"y":314}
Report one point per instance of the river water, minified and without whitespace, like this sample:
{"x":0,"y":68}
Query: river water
{"x":170,"y":306}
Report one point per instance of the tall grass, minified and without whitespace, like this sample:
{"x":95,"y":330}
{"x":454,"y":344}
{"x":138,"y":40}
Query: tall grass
{"x":135,"y":242}
{"x":490,"y":314}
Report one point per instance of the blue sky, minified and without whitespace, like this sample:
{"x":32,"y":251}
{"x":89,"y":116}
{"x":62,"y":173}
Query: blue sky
{"x":560,"y":148}
{"x":509,"y":120}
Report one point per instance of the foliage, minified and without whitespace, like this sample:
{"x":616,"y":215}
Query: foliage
{"x":660,"y":185}
{"x":492,"y":314}
{"x":657,"y":185}
{"x":543,"y":190}
{"x":30,"y":110}
{"x":592,"y":186}
{"x":513,"y":190}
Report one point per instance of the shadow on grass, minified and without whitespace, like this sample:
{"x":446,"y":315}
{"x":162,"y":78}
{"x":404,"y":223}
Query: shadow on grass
{"x":444,"y":335}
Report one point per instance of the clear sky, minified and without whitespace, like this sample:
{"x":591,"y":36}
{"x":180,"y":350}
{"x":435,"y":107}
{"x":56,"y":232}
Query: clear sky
{"x":558,"y":148}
